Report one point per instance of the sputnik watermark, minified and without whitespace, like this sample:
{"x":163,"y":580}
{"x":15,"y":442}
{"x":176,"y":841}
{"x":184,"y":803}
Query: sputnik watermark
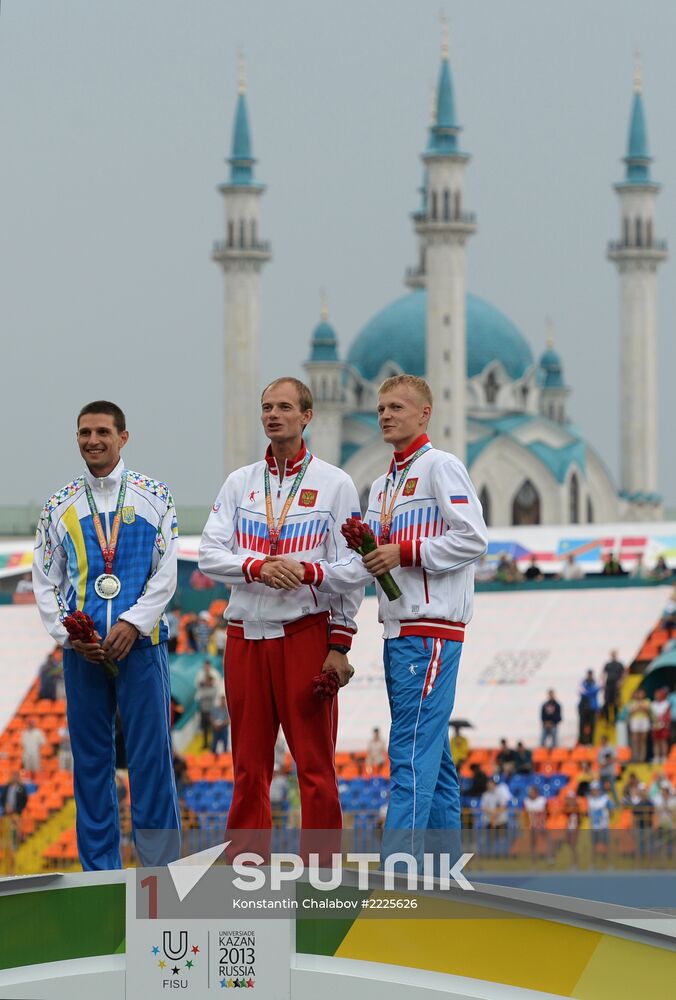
{"x":254,"y":873}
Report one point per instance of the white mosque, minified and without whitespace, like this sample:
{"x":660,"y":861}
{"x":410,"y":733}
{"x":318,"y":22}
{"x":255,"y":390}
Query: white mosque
{"x":502,"y":411}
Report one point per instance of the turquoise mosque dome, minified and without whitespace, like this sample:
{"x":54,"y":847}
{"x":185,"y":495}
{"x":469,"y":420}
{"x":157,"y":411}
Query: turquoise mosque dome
{"x":397,"y":334}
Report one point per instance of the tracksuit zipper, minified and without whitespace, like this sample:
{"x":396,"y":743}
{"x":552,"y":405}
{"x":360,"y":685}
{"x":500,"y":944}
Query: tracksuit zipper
{"x":427,"y":593}
{"x":109,"y":608}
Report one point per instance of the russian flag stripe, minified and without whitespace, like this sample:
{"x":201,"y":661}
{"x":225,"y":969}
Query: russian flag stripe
{"x":459,"y":499}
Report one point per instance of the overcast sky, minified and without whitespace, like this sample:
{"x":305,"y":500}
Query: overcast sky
{"x":115,"y":120}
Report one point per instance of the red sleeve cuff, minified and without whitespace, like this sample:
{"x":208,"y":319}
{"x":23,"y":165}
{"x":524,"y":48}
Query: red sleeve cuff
{"x":252,"y":569}
{"x":340,"y":635}
{"x":314,"y":574}
{"x":410,"y":553}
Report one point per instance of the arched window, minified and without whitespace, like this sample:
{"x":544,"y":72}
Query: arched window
{"x":456,"y":204}
{"x":526,"y":506}
{"x":625,"y":232}
{"x":231,"y":234}
{"x":524,"y":394}
{"x":649,"y":232}
{"x":447,"y":205}
{"x":253,"y":232}
{"x":242,"y":234}
{"x":485,"y":501}
{"x":434,"y":205}
{"x":324,"y":391}
{"x":491,"y":387}
{"x":574,"y":500}
{"x":639,"y":232}
{"x":590,"y":511}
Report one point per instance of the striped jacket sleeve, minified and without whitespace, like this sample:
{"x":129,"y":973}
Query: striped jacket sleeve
{"x":466,"y":539}
{"x":49,"y":578}
{"x":344,"y":607}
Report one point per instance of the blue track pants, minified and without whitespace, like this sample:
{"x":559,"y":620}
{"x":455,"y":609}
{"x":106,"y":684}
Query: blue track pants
{"x":142,"y":692}
{"x":421,"y":676}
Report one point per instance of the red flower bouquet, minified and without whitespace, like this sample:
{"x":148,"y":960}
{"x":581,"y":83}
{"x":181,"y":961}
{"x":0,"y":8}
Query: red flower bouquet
{"x":326,"y":685}
{"x":81,"y":628}
{"x":360,"y":538}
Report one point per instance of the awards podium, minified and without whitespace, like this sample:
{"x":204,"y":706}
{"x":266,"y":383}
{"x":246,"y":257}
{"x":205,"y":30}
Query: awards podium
{"x":93,"y":935}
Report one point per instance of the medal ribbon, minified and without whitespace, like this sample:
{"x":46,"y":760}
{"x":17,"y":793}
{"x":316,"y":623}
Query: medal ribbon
{"x":387,"y":512}
{"x":107,"y":551}
{"x":274,"y":530}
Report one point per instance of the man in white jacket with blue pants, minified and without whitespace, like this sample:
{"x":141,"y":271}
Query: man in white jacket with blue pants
{"x":429,"y":525}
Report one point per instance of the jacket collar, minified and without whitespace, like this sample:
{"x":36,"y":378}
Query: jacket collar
{"x":110,"y":482}
{"x":401,"y":458}
{"x":291,"y":466}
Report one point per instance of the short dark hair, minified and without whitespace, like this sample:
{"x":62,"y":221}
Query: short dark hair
{"x":105,"y":406}
{"x":305,"y":400}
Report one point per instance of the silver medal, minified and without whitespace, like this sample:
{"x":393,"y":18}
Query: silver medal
{"x":107,"y":586}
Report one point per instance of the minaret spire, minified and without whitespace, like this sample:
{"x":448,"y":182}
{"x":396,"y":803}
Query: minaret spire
{"x":242,"y":255}
{"x":637,"y":255}
{"x":443,"y":227}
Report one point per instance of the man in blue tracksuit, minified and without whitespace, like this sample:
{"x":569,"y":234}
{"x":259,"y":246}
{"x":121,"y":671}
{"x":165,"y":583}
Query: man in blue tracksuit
{"x":107,"y":545}
{"x":428,"y":522}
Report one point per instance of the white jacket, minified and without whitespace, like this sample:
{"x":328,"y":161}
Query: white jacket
{"x":235,"y":542}
{"x":438,"y":522}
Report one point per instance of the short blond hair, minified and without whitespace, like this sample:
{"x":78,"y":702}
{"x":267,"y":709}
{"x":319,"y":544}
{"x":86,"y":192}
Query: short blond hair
{"x":419,"y":385}
{"x":305,"y":400}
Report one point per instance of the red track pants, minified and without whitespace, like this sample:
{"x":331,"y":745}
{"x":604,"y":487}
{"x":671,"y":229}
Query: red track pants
{"x":268,"y":682}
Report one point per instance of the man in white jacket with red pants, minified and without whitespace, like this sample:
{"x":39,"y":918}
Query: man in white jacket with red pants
{"x":282,"y":631}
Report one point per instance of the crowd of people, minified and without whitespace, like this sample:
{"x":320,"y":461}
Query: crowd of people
{"x":506,"y":569}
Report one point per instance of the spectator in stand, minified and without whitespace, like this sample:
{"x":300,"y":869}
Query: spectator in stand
{"x":479,"y":782}
{"x":669,"y":614}
{"x":459,"y":748}
{"x":572,"y":812}
{"x":376,"y":752}
{"x":588,"y":707}
{"x":660,"y":570}
{"x":643,"y":812}
{"x":507,"y":571}
{"x":613,"y":672}
{"x":189,"y":625}
{"x":606,"y":760}
{"x":279,"y":793}
{"x":484,"y":570}
{"x":206,"y":696}
{"x":640,"y":721}
{"x":220,"y":723}
{"x":630,"y":795}
{"x":13,"y":796}
{"x":661,"y":723}
{"x":202,"y":631}
{"x":505,"y":759}
{"x":48,"y":675}
{"x":174,"y":625}
{"x":611,"y":566}
{"x":533,"y":572}
{"x":535,"y":811}
{"x":584,"y":778}
{"x":524,"y":759}
{"x":671,"y":698}
{"x":494,"y":814}
{"x":571,"y":570}
{"x":65,"y":751}
{"x":550,"y":715}
{"x":664,"y":802}
{"x":599,"y":808}
{"x":32,"y":741}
